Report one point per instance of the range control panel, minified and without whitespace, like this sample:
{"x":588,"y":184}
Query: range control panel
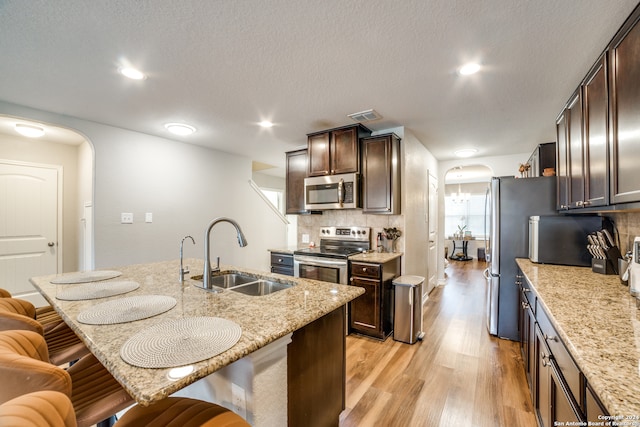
{"x":345,"y":233}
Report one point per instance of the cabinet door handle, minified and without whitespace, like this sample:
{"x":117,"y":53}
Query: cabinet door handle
{"x":550,"y":338}
{"x":545,"y":359}
{"x":51,"y":244}
{"x":525,"y":305}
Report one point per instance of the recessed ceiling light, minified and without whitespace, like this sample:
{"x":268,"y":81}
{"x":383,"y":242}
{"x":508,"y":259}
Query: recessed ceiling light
{"x":466,"y":152}
{"x":132,"y":73}
{"x":180,"y":129}
{"x":266,"y":124}
{"x":29,"y":130}
{"x":470,"y":68}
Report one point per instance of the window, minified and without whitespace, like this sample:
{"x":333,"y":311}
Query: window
{"x":467,"y":213}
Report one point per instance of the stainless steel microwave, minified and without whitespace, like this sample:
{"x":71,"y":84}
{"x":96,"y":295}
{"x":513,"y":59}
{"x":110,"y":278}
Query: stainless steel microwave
{"x":332,"y":192}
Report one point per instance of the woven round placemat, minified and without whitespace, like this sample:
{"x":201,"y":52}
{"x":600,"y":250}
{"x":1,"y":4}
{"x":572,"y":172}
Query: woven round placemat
{"x":85,"y":277}
{"x":127,"y":309}
{"x":97,"y":290}
{"x":180,"y":342}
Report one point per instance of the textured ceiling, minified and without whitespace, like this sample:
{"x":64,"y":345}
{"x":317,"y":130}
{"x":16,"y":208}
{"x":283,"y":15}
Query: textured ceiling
{"x":224,"y":65}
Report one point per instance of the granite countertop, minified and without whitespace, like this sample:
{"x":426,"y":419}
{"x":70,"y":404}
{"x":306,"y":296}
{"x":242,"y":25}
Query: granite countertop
{"x":288,"y":250}
{"x":263,"y":319}
{"x":598,"y":321}
{"x":376,"y":257}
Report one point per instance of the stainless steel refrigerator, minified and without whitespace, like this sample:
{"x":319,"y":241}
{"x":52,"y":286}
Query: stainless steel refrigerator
{"x":509,"y":204}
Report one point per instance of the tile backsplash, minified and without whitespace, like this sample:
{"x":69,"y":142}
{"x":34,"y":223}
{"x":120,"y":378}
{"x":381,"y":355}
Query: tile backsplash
{"x":628,"y":226}
{"x":310,"y":224}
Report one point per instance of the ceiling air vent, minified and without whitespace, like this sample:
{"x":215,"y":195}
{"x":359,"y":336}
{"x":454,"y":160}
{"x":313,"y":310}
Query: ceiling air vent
{"x":365,"y":116}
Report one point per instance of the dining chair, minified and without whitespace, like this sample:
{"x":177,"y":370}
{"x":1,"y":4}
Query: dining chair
{"x":63,"y":344}
{"x":25,"y":368}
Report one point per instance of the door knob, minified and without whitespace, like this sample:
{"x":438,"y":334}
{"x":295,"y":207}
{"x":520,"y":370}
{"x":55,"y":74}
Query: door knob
{"x":51,"y":244}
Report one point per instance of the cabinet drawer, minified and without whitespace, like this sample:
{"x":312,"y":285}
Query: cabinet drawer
{"x":287,"y":271}
{"x":559,"y":352}
{"x":366,"y":270}
{"x":281,"y":259}
{"x":528,"y":293}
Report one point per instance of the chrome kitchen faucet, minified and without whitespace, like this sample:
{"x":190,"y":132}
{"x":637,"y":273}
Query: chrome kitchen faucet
{"x":242,"y":241}
{"x":184,"y":271}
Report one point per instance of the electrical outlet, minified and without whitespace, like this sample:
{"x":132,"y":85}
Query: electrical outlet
{"x":148,"y":217}
{"x":238,"y":400}
{"x":305,"y":238}
{"x":126,"y":218}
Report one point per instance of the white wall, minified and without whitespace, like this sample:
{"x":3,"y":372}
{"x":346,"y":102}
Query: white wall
{"x":184,"y":186}
{"x":416,"y":165}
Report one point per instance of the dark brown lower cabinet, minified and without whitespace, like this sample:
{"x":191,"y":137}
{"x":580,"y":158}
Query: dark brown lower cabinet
{"x":594,"y":409}
{"x":316,"y":369}
{"x":372,"y":313}
{"x":555,"y":403}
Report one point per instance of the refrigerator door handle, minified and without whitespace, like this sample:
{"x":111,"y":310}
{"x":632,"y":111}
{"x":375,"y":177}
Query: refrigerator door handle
{"x":485,"y":273}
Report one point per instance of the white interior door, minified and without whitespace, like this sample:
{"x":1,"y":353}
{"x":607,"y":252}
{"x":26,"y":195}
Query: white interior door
{"x":28,"y":226}
{"x":432,"y":254}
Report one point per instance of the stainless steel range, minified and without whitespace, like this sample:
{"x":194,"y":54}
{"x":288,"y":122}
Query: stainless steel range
{"x":328,"y":262}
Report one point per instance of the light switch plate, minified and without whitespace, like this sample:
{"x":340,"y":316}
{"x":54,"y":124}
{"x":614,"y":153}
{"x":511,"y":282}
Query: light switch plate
{"x":126,"y":218}
{"x":305,"y":238}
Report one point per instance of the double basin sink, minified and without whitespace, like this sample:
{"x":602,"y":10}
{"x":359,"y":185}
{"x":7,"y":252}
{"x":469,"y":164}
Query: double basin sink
{"x":244,"y":283}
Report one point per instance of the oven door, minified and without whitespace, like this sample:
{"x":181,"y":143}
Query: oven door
{"x":325,"y":269}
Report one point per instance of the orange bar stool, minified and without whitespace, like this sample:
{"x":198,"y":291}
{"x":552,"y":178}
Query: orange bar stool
{"x":63,"y":344}
{"x":25,"y":368}
{"x":46,"y":315}
{"x":38,"y":409}
{"x":54,"y":409}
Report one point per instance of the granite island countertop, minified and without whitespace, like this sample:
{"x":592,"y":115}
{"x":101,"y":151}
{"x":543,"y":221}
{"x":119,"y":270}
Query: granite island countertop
{"x":263,"y":319}
{"x":598,"y":321}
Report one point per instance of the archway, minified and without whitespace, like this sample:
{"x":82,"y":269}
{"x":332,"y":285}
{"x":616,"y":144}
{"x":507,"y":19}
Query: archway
{"x":72,"y":155}
{"x":464,"y":211}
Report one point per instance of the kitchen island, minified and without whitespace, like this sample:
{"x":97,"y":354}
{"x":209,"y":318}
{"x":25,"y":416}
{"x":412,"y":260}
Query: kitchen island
{"x":266,"y":321}
{"x":598,"y":322}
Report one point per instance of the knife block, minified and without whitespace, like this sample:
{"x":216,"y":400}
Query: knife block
{"x":608,"y":265}
{"x":602,"y":266}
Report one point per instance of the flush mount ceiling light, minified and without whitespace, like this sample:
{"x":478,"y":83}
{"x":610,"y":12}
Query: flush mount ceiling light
{"x":180,"y":129}
{"x":365,"y":116}
{"x":132,"y":73}
{"x":266,"y":124}
{"x":468,"y":69}
{"x":466,"y":152}
{"x":29,"y":130}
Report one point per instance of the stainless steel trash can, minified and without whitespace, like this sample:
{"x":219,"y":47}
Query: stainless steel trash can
{"x":407,"y":318}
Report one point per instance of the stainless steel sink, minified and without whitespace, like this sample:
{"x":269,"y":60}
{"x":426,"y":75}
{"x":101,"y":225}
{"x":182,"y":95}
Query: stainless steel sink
{"x":261,"y":287}
{"x":231,"y":279}
{"x":244,"y":284}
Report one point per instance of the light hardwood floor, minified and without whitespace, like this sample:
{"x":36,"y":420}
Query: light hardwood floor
{"x":457,"y":376}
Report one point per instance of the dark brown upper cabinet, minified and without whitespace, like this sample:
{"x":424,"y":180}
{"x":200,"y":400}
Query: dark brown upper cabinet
{"x":575,"y":155}
{"x":381,"y":174}
{"x":335,"y":151}
{"x":561,"y":162}
{"x":596,"y":135}
{"x":295,"y":175}
{"x":624,"y":92}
